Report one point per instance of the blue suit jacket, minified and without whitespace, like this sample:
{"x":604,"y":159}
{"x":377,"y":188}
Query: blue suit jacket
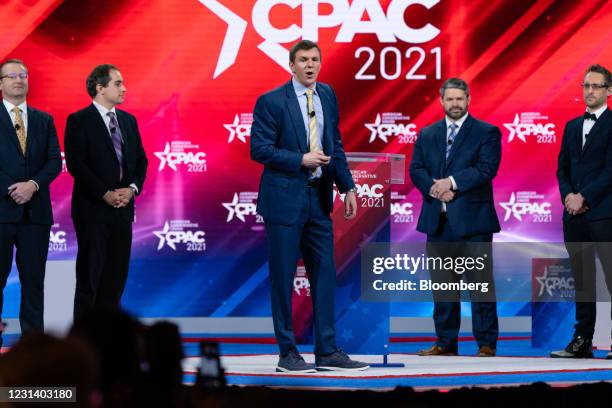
{"x":42,"y":163}
{"x":279,"y":140}
{"x":587,"y":170}
{"x":473,"y":162}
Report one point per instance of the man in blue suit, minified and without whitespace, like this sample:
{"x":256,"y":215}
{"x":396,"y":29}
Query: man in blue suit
{"x":584,"y":173}
{"x":453,"y":165}
{"x":29,"y":161}
{"x":295,"y":135}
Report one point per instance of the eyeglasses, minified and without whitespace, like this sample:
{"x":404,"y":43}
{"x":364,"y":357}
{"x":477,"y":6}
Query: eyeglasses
{"x":14,"y":75}
{"x":595,"y":87}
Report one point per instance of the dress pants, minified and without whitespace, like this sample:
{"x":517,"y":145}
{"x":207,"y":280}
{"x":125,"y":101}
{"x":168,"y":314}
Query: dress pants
{"x":447,"y":306}
{"x":312,"y":235}
{"x":584,"y":239}
{"x":31,"y":242}
{"x":102,"y":264}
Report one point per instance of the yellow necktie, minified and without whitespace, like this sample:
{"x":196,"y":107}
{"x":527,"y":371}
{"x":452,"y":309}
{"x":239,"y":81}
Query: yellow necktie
{"x":312,"y":122}
{"x":20,"y":129}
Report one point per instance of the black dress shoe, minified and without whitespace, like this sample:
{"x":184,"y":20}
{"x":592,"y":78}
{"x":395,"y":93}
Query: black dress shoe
{"x":579,"y":347}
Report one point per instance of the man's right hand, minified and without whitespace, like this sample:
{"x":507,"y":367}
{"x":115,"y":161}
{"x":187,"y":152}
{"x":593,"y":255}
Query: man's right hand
{"x":316,"y":159}
{"x":447,"y":196}
{"x":112,"y":198}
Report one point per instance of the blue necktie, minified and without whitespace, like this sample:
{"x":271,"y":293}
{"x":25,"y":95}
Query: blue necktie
{"x":451,"y":138}
{"x":115,"y":132}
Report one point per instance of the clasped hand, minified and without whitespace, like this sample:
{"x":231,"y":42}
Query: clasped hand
{"x":442,"y":190}
{"x":119,"y":198}
{"x":575,"y":204}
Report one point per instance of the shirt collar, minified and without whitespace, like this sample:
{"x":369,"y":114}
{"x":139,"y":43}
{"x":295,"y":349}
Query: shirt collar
{"x":599,"y":111}
{"x":103,"y":111}
{"x":458,"y":122}
{"x":301,"y":89}
{"x":9,"y":106}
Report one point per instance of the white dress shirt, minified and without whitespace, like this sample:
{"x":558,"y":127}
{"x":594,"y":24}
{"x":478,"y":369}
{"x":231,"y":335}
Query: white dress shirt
{"x":104,"y":113}
{"x":24,"y":112}
{"x":24,"y":117}
{"x":459,"y":123}
{"x":589,"y":123}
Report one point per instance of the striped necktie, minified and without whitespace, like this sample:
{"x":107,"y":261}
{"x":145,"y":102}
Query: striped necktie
{"x":314,"y":141}
{"x":451,"y":138}
{"x":117,"y":138}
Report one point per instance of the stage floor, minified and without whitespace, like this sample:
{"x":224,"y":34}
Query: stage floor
{"x":419,"y":372}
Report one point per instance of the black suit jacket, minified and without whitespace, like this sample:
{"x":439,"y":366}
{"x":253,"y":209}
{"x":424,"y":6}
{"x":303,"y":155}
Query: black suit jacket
{"x":473,"y":162}
{"x":92,"y":161}
{"x":42,"y":163}
{"x":587,"y":170}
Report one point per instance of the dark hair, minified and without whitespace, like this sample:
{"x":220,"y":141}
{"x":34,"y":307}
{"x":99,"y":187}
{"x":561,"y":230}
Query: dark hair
{"x":12,"y":61}
{"x":99,"y":76}
{"x":455,"y":83}
{"x":600,"y":69}
{"x":302,"y":45}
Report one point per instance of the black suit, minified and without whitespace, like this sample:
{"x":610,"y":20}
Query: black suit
{"x":588,"y":170}
{"x":26,"y":227}
{"x":104,"y":233}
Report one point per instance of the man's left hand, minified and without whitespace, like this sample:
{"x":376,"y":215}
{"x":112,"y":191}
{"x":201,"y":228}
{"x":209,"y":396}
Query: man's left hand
{"x":125,"y":196}
{"x":574,"y":203}
{"x":22,"y":192}
{"x":440,"y":187}
{"x":350,"y":205}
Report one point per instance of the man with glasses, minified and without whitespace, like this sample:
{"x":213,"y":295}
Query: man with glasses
{"x":29,"y":161}
{"x":105,"y":156}
{"x":585,"y":181}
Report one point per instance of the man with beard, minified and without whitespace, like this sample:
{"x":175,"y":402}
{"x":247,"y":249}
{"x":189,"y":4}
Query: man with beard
{"x":453,"y":165}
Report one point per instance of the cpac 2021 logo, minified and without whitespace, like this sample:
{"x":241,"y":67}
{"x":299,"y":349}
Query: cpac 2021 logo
{"x":57,"y":239}
{"x":182,"y":153}
{"x":401,"y":211}
{"x":556,"y":282}
{"x":182,"y":232}
{"x":531,"y":125}
{"x":389,"y":27}
{"x":364,"y":191}
{"x":240,"y":128}
{"x":527,"y":203}
{"x":389,"y":124}
{"x":243,"y":205}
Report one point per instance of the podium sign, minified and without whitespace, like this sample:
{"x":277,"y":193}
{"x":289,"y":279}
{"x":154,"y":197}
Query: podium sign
{"x":361,"y":327}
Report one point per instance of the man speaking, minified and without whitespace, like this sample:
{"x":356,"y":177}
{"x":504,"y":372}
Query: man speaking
{"x":295,"y":136}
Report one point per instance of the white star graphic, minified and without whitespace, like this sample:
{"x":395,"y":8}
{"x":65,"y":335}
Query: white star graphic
{"x":373,"y":127}
{"x":513,"y":132}
{"x":231,"y":127}
{"x":509,"y":207}
{"x":542,"y":281}
{"x":231,"y":208}
{"x":163,"y":158}
{"x":162,"y":237}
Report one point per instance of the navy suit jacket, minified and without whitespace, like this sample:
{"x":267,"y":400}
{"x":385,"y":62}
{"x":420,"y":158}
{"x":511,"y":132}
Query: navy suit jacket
{"x":92,"y":161}
{"x":587,"y":170}
{"x":279,"y":140}
{"x":473,"y":162}
{"x":42,"y":163}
